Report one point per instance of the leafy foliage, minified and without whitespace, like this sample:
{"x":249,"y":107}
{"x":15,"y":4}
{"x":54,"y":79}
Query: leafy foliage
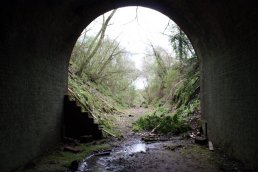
{"x":174,"y":110}
{"x":109,"y":67}
{"x":173,"y":84}
{"x":101,"y":106}
{"x":181,"y":44}
{"x":162,"y":122}
{"x":101,"y":76}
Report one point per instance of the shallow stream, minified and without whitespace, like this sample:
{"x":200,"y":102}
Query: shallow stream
{"x":102,"y":162}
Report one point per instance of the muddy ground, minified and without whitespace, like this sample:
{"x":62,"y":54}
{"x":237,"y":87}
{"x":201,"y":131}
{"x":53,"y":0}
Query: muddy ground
{"x":166,"y":154}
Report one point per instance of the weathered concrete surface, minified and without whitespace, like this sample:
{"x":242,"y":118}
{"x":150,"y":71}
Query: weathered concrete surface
{"x":37,"y":37}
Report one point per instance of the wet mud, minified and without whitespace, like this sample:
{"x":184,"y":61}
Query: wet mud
{"x":176,"y":153}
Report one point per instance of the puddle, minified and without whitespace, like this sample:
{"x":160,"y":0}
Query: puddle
{"x":94,"y":163}
{"x":135,"y":148}
{"x":113,"y":161}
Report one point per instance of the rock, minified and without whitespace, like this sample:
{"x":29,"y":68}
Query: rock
{"x":154,"y":138}
{"x":211,"y":148}
{"x":194,"y":123}
{"x":110,"y":168}
{"x":200,"y":140}
{"x":149,"y":139}
{"x":74,"y":165}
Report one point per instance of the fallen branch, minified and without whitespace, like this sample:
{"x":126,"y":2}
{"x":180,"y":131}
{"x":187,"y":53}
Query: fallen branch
{"x":154,"y":129}
{"x":103,"y":153}
{"x":72,"y":149}
{"x":108,"y":132}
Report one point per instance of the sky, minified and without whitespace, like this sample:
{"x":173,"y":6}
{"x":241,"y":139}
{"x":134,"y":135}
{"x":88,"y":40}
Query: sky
{"x":134,"y":34}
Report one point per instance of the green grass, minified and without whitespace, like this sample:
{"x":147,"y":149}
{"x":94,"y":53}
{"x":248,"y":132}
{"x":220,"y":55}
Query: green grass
{"x":58,"y":160}
{"x":204,"y":154}
{"x":99,"y":100}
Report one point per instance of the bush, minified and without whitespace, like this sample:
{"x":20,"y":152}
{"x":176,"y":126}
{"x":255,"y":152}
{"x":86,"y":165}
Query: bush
{"x":162,"y":121}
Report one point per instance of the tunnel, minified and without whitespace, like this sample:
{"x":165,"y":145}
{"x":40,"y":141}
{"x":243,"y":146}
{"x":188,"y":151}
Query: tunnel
{"x":36,"y":41}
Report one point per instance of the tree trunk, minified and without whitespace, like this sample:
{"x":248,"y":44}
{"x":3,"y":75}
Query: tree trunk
{"x":94,"y":51}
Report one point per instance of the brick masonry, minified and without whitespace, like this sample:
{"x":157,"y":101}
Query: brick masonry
{"x":36,"y":40}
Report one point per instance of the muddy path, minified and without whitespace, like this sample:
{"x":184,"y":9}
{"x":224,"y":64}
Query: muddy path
{"x":172,"y":153}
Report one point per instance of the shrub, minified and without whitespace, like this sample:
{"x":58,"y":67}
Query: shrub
{"x":162,"y":121}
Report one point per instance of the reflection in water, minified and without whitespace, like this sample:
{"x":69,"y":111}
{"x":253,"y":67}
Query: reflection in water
{"x":100,"y":164}
{"x":139,"y":147}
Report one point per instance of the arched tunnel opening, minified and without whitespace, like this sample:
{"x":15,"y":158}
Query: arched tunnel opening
{"x":37,"y":40}
{"x":102,"y":80}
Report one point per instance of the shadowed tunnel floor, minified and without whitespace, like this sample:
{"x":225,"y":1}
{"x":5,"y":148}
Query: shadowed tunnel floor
{"x":36,"y":41}
{"x":175,"y":153}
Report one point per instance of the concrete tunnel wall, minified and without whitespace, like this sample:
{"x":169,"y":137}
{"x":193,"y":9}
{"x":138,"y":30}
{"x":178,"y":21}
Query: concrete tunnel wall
{"x":36,"y":40}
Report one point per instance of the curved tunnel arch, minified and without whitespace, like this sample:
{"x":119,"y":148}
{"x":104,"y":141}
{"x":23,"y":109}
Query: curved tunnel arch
{"x":187,"y":15}
{"x":154,"y":5}
{"x":33,"y":78}
{"x":86,"y":23}
{"x":207,"y":25}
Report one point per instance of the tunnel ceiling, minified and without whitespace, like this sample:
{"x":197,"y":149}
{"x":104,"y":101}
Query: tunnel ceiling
{"x":36,"y":41}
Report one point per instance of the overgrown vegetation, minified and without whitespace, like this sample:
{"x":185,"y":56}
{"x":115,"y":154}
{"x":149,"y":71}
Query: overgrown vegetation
{"x":101,"y":78}
{"x":173,"y":87}
{"x":91,"y":98}
{"x":59,"y":160}
{"x":161,"y":121}
{"x":205,"y":156}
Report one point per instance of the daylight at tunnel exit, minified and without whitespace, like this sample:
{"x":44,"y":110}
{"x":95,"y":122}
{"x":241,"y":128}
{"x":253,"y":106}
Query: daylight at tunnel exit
{"x":121,"y":86}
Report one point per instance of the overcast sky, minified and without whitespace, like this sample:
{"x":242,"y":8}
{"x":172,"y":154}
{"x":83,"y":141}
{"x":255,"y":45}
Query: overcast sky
{"x":135,"y":34}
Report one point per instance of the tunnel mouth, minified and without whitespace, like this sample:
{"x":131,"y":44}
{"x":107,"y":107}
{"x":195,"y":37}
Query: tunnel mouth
{"x":184,"y":57}
{"x":136,"y":145}
{"x":92,"y":76}
{"x":34,"y":75}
